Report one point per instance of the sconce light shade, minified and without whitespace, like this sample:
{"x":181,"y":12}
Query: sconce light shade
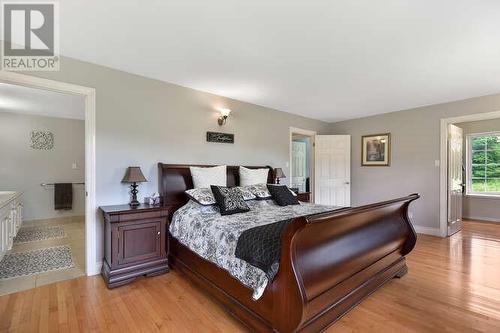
{"x":224,"y":113}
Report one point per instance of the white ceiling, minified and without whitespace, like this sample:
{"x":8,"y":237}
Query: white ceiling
{"x":19,"y":99}
{"x":330,"y":60}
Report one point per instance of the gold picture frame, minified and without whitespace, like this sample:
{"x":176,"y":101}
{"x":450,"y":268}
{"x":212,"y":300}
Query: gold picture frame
{"x":376,"y":150}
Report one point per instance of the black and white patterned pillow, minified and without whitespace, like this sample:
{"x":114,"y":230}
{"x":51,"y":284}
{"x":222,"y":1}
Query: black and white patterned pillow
{"x":203,"y":196}
{"x":229,"y":200}
{"x":282,"y":195}
{"x":247,"y":194}
{"x":259,"y":190}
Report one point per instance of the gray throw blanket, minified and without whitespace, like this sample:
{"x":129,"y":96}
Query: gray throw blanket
{"x":261,"y":247}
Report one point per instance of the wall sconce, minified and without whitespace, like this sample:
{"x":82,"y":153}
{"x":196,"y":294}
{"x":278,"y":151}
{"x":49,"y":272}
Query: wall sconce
{"x":224,"y":113}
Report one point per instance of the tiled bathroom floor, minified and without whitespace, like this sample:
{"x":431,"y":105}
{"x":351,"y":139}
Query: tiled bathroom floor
{"x":75,"y":238}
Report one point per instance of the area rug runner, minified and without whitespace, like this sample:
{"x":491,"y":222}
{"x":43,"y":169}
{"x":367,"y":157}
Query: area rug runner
{"x":39,"y":233}
{"x":35,"y":262}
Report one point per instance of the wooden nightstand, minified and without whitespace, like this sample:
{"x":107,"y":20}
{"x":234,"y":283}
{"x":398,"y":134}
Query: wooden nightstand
{"x":135,"y":243}
{"x":304,"y":196}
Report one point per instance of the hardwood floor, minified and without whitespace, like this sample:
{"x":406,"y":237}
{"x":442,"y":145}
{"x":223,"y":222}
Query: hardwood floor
{"x":453,"y":285}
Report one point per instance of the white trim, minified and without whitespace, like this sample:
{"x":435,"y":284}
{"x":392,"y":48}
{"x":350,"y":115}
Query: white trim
{"x":97,"y":267}
{"x":443,"y":172}
{"x":92,"y":266}
{"x":479,"y":219}
{"x":484,"y":133}
{"x":427,"y":230}
{"x":312,"y":135}
{"x":483,"y":196}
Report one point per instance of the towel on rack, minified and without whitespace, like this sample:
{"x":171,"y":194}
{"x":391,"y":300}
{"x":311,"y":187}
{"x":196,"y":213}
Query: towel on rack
{"x":63,"y":196}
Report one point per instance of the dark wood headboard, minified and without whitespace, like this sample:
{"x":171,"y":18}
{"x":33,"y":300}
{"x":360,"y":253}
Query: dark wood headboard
{"x":174,"y":179}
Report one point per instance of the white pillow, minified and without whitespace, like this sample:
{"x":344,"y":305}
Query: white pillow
{"x":204,"y":177}
{"x":253,"y":176}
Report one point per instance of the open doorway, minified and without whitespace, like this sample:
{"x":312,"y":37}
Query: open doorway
{"x":48,"y":175}
{"x":302,"y":163}
{"x":470,"y":170}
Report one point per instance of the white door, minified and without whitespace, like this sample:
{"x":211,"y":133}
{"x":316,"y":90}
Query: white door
{"x":455,"y":181}
{"x":333,"y":170}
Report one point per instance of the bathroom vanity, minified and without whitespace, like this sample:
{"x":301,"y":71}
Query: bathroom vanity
{"x":11,"y":218}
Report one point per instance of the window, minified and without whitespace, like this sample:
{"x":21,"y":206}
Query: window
{"x":483,"y":164}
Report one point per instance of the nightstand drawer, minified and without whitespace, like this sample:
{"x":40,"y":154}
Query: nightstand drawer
{"x":140,"y":242}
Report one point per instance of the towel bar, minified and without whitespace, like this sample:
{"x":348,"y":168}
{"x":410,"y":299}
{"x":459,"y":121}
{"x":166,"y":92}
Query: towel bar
{"x":52,"y":184}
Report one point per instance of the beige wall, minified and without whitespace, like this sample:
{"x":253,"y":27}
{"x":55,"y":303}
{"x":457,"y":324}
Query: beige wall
{"x":415,"y":148}
{"x":479,"y":208}
{"x":23,"y":168}
{"x":140,"y":121}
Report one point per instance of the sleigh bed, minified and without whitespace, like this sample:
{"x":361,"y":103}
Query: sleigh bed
{"x":329,"y":262}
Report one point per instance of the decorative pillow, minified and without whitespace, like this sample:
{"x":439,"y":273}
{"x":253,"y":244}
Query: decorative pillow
{"x":253,"y":176}
{"x":229,"y":200}
{"x":259,"y":190}
{"x":282,"y":195}
{"x":204,"y":177}
{"x":247,"y":194}
{"x":203,"y":196}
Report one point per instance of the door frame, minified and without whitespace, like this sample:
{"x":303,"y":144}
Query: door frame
{"x":311,"y":134}
{"x":92,"y":265}
{"x":443,"y":170}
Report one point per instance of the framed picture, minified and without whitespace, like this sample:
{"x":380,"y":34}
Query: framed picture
{"x":376,"y":150}
{"x":220,"y":137}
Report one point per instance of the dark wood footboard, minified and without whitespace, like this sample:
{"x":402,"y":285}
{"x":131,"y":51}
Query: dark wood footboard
{"x":330,"y":262}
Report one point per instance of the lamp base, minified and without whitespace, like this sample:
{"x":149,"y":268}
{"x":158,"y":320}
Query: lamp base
{"x":134,"y":202}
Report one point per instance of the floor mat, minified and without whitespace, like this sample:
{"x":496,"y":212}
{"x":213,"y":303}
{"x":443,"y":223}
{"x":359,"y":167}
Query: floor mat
{"x":35,"y":262}
{"x":39,"y":233}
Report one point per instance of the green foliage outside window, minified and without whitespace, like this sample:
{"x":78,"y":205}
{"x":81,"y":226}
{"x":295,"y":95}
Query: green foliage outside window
{"x":485,"y":163}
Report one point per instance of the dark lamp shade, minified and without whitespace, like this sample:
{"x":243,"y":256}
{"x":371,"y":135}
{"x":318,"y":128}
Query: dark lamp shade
{"x":278,"y":173}
{"x":134,"y":175}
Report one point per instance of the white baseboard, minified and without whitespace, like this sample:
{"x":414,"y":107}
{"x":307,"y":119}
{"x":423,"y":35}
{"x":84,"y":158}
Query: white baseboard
{"x":479,"y":218}
{"x":95,"y":270}
{"x":51,"y":219}
{"x":427,"y":230}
